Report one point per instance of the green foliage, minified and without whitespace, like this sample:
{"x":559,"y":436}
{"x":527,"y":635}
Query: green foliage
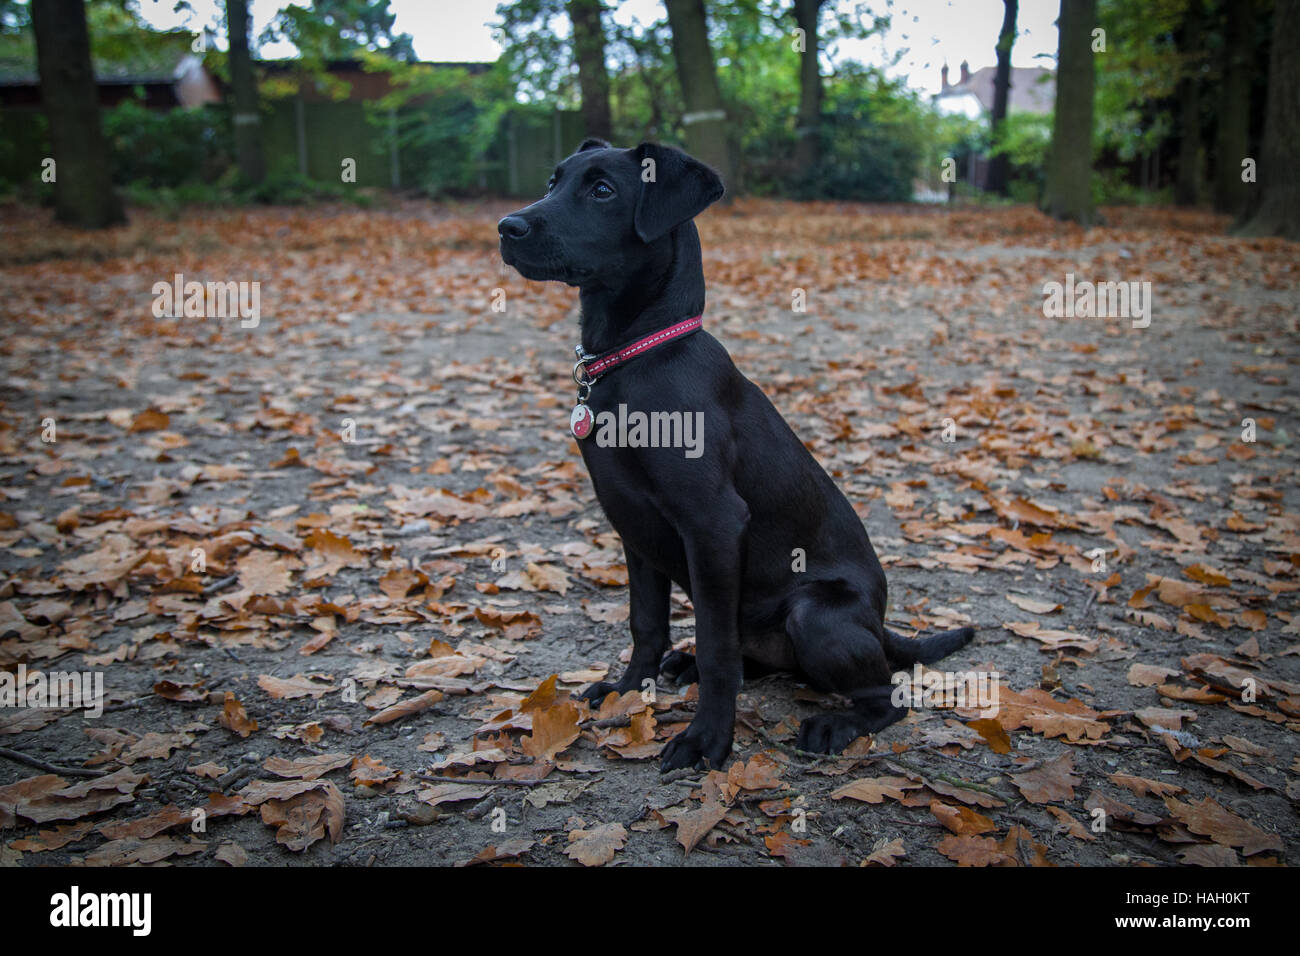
{"x":121,"y":43}
{"x":167,"y":148}
{"x":536,"y":51}
{"x":1137,"y":74}
{"x":875,"y":132}
{"x":327,"y":31}
{"x":1111,"y":187}
{"x":1024,"y":138}
{"x":284,"y":185}
{"x":173,"y":200}
{"x":758,"y":72}
{"x":173,"y":158}
{"x":170,"y":159}
{"x":443,"y":122}
{"x":339,"y":30}
{"x":14,"y":16}
{"x":876,"y":136}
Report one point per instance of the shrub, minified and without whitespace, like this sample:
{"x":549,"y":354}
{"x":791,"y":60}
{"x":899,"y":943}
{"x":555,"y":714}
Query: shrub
{"x":167,"y":148}
{"x":876,"y":136}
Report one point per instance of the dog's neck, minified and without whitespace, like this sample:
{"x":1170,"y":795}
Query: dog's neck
{"x":669,"y":287}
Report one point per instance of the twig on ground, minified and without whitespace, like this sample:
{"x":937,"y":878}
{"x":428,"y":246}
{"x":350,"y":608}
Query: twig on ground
{"x":48,"y":767}
{"x":764,"y":797}
{"x":625,"y":720}
{"x":929,"y":824}
{"x":220,"y":584}
{"x":505,"y":781}
{"x":949,"y":778}
{"x":127,"y":704}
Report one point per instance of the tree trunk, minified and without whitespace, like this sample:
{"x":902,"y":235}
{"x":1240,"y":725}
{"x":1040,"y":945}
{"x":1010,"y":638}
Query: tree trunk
{"x":1187,"y":187}
{"x":998,"y":167}
{"x":593,"y":78}
{"x":1232,"y":140}
{"x":808,"y":126}
{"x":243,"y":87}
{"x":1278,"y":209}
{"x":1068,"y":193}
{"x":705,"y":118}
{"x":83,"y":170}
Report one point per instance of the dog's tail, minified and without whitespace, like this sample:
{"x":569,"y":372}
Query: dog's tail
{"x":905,"y":651}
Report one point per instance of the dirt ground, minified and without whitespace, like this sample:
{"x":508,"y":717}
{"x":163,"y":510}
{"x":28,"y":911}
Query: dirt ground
{"x":324,"y":560}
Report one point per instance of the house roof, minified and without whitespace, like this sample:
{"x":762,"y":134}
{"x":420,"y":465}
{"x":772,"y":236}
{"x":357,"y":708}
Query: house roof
{"x":359,"y":66}
{"x":1033,"y":89}
{"x":359,"y":82}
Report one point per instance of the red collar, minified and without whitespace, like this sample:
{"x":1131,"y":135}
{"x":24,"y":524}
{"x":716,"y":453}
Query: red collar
{"x":591,"y":367}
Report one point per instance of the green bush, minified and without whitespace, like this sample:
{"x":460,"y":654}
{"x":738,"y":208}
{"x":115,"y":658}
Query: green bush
{"x":434,"y":146}
{"x":284,"y":185}
{"x":167,"y":148}
{"x":170,"y":159}
{"x":1110,"y":187}
{"x":862,"y":161}
{"x":446,"y":121}
{"x":1025,"y":139}
{"x":876,"y":140}
{"x":173,"y":199}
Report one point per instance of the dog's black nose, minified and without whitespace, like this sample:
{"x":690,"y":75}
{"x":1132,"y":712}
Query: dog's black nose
{"x":512,"y":227}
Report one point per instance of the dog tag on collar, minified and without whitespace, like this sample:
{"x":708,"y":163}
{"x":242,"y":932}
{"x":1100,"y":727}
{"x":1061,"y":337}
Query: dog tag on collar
{"x":581,"y":420}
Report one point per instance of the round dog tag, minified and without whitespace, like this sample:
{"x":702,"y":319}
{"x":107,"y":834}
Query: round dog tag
{"x":581,"y":420}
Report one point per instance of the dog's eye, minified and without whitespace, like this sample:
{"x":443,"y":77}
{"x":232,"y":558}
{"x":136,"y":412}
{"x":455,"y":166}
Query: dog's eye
{"x":549,"y":186}
{"x":602,"y":190}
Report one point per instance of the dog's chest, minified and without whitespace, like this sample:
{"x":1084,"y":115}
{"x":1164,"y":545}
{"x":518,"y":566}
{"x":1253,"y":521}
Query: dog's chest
{"x":622,"y":496}
{"x":631,"y":509}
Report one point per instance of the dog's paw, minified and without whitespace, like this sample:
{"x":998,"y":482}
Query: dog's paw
{"x":830,"y":733}
{"x":703,"y":749}
{"x":680,"y":668}
{"x":596,"y":693}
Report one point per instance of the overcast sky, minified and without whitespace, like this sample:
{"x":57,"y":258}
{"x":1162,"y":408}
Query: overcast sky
{"x":929,"y":31}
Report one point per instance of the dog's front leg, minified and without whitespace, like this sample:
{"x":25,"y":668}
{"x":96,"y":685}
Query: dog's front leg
{"x":649,"y":609}
{"x":713,"y":553}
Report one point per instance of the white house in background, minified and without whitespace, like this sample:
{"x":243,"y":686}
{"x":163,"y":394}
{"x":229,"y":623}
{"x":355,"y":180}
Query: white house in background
{"x":1033,"y":90}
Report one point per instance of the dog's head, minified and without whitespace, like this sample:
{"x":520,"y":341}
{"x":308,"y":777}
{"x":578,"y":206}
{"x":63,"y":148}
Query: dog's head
{"x":604,"y":210}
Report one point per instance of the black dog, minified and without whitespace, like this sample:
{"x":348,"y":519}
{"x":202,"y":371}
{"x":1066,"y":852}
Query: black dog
{"x":724,"y":525}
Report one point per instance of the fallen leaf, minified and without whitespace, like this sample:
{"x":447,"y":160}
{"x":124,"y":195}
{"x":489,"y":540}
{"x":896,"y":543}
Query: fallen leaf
{"x":597,"y":846}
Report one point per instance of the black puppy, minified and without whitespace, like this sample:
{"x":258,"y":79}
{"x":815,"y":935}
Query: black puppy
{"x":725,"y":522}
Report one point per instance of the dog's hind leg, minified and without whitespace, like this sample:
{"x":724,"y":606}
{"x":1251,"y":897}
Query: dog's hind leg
{"x":680,"y":668}
{"x":836,"y":647}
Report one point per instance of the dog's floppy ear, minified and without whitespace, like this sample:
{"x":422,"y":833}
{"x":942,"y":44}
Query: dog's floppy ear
{"x":674,"y":188}
{"x":592,"y":143}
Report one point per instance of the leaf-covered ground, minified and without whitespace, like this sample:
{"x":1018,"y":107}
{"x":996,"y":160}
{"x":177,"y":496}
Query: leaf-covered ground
{"x":310,"y":638}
